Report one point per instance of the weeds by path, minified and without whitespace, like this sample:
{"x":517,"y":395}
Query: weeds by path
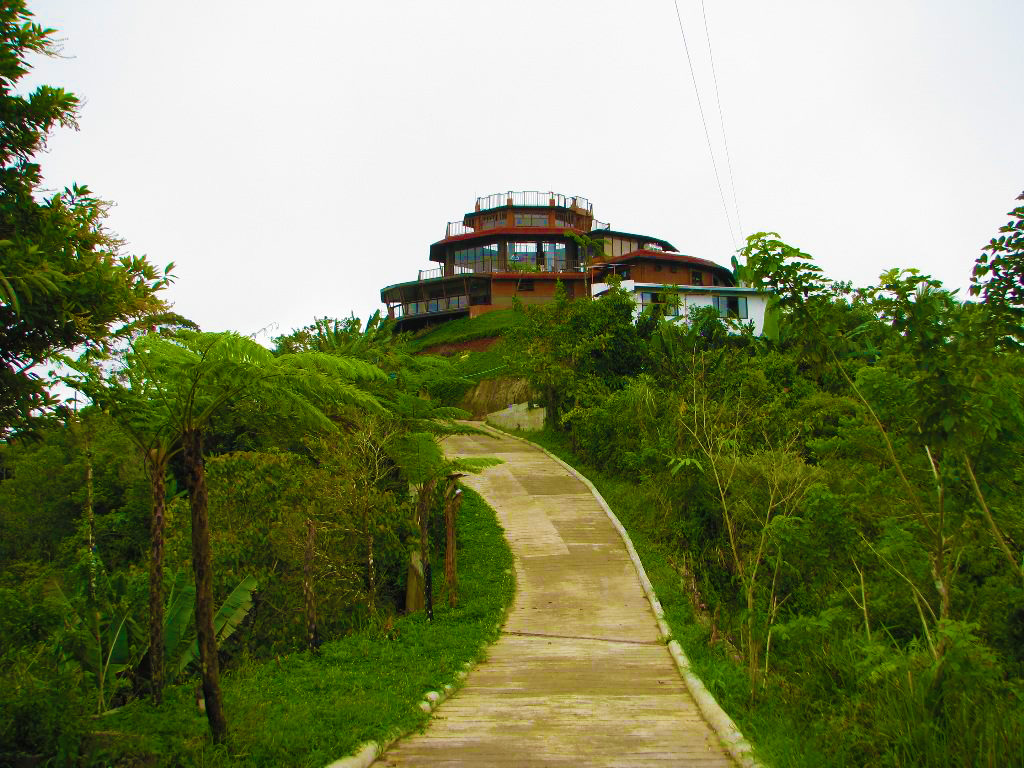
{"x":308,"y":710}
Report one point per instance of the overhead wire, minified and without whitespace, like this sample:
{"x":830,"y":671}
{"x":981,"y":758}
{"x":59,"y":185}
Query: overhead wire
{"x":707,"y":134}
{"x":721,"y":118}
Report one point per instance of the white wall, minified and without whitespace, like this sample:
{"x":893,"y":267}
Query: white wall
{"x":756,"y":302}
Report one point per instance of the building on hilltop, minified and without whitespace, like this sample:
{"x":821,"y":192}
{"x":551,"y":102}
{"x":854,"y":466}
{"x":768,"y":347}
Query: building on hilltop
{"x":519,"y":245}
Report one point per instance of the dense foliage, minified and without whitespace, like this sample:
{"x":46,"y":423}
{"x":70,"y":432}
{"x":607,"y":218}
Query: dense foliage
{"x":845,"y":501}
{"x":63,"y":281}
{"x":315,"y":465}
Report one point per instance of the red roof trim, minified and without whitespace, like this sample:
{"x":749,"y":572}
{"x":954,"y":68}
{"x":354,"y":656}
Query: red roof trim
{"x":679,"y":258}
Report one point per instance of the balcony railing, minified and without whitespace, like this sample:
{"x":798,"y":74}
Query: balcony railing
{"x":533,"y":199}
{"x":487,"y":266}
{"x":456,"y":228}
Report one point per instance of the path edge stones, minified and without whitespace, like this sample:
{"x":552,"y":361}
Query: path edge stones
{"x":368,"y":753}
{"x":730,"y":736}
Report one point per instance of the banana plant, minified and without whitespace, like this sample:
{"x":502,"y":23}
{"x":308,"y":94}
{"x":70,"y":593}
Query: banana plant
{"x":227,"y":619}
{"x":178,"y":615}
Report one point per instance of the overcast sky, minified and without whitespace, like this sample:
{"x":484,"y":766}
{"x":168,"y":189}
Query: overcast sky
{"x":293,"y":159}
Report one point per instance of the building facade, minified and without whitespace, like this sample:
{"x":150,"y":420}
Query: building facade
{"x":520,"y":245}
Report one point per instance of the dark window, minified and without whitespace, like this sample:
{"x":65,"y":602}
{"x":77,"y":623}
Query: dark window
{"x":657,"y":267}
{"x":525,"y":285}
{"x":483,"y":258}
{"x":668,"y":301}
{"x":731,"y":306}
{"x":696,"y":277}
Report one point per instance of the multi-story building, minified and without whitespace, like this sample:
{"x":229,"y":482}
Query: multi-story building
{"x":520,"y":245}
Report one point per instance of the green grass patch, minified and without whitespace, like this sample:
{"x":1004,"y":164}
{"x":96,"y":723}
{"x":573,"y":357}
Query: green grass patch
{"x":310,"y":709}
{"x":467,"y":329}
{"x":479,"y":364}
{"x":777,"y":736}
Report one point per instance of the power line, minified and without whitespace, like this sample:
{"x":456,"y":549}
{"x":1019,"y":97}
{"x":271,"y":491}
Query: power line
{"x":721,"y":118}
{"x":707,"y":135}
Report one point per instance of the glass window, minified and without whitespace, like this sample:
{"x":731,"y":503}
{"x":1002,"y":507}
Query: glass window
{"x":696,"y":277}
{"x":531,"y":219}
{"x":522,"y":253}
{"x":482,"y":258}
{"x":731,"y":306}
{"x":525,"y":285}
{"x":669,"y":302}
{"x":554,"y":256}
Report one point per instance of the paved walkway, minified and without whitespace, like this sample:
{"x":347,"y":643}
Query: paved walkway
{"x":579,"y":676}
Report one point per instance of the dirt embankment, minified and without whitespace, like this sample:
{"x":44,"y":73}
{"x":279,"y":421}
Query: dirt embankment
{"x":488,"y":395}
{"x":495,"y":394}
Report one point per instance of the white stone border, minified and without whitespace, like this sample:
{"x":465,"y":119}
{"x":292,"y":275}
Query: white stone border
{"x":716,"y":717}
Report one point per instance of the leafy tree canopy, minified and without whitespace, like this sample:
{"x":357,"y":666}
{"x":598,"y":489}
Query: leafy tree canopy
{"x":999,"y":277}
{"x":63,"y":280}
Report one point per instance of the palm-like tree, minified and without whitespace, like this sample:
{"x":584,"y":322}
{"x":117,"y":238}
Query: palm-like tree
{"x":166,"y":392}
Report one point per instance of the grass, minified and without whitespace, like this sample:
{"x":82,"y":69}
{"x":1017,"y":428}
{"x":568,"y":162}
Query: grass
{"x":308,"y":710}
{"x":771,"y":729}
{"x":481,"y":364}
{"x":466,"y":329}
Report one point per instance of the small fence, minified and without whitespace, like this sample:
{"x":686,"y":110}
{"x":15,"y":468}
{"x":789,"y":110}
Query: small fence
{"x":456,"y":228}
{"x":428,"y":274}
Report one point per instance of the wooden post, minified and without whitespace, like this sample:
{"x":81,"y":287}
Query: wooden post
{"x":452,"y":501}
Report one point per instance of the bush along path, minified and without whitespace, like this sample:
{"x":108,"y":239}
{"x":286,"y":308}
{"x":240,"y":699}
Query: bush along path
{"x":308,"y":710}
{"x":581,"y":674}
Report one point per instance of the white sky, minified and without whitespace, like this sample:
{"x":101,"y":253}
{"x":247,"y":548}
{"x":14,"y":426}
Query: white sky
{"x":293,"y":159}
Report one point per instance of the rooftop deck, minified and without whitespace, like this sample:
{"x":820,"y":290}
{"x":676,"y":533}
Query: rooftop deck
{"x":533,"y":199}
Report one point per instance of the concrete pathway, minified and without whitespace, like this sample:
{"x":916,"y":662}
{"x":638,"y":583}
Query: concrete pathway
{"x":579,"y":676}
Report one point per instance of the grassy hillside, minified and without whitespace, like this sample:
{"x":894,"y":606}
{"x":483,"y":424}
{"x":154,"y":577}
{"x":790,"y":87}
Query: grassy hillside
{"x":489,"y":325}
{"x":478,"y":351}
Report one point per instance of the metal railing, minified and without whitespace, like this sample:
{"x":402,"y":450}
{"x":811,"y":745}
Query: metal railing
{"x":455,"y":228}
{"x":487,"y":266}
{"x":530,"y":198}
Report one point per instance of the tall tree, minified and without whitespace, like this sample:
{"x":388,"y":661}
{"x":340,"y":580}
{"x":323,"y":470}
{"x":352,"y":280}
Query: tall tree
{"x":63,"y":280}
{"x":169,"y":390}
